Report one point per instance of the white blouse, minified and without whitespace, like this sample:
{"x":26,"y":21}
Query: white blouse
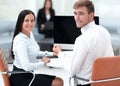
{"x":48,"y":17}
{"x":26,"y":50}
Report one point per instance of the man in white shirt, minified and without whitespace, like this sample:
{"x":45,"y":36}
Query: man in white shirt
{"x":94,"y":42}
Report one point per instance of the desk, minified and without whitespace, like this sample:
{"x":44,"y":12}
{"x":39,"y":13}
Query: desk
{"x":59,"y":72}
{"x":55,"y":71}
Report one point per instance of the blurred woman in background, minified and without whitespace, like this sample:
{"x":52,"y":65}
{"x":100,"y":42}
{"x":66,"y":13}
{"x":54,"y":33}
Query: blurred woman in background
{"x":45,"y":15}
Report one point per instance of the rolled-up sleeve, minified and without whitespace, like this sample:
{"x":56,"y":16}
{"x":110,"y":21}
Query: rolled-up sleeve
{"x":45,"y":53}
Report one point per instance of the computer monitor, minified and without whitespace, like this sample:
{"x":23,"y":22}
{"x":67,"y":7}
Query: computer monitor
{"x":65,"y":31}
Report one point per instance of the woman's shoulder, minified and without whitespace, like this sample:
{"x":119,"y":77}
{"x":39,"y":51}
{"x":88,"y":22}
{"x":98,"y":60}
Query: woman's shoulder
{"x":20,"y":37}
{"x":41,"y":9}
{"x":20,"y":40}
{"x":52,"y":10}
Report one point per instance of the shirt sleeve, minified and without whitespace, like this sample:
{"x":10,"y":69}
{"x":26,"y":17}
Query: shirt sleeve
{"x":79,"y":55}
{"x":45,"y":53}
{"x":65,"y":59}
{"x":20,"y":51}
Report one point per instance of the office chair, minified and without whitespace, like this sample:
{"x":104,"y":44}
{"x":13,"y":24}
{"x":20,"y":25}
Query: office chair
{"x":4,"y":72}
{"x":105,"y":72}
{"x":4,"y":68}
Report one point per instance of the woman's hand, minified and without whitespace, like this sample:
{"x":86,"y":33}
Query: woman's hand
{"x":42,"y":26}
{"x":45,"y":60}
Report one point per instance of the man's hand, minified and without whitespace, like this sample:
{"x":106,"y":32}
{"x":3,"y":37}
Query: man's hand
{"x":56,"y":49}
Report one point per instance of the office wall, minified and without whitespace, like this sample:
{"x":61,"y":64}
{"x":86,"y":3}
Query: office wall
{"x":9,"y":9}
{"x":106,"y":9}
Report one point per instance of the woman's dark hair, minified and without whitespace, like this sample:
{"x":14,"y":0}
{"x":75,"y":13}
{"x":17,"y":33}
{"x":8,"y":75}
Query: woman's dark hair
{"x":19,"y":23}
{"x":50,"y":3}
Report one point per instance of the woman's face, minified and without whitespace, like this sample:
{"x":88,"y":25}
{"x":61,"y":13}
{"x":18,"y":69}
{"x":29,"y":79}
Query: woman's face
{"x":48,"y":5}
{"x":28,"y":24}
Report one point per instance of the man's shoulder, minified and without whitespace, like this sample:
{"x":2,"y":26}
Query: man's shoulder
{"x":102,"y":28}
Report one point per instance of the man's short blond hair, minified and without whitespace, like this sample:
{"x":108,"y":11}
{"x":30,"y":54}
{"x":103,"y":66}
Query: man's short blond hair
{"x":87,"y":3}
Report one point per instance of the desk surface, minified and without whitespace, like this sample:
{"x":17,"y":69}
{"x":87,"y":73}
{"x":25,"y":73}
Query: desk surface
{"x":59,"y":72}
{"x":55,"y":71}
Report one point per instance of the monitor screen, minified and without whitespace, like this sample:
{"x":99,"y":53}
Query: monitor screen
{"x":65,"y":30}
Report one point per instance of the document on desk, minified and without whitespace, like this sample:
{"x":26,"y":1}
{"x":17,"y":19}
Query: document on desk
{"x":62,"y":62}
{"x":55,"y":62}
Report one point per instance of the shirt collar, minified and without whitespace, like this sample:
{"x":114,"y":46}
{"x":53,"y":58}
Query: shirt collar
{"x":88,"y":26}
{"x":23,"y":35}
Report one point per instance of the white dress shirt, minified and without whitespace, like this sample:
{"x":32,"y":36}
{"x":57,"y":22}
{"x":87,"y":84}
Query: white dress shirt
{"x":94,"y":42}
{"x":26,"y":50}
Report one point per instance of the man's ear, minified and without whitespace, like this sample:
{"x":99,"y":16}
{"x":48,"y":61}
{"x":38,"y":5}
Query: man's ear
{"x":91,"y":16}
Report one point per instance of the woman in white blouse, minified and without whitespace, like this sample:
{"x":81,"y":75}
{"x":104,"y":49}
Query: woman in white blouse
{"x":25,"y":50}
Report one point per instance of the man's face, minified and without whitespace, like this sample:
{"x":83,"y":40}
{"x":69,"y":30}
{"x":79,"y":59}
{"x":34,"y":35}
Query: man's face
{"x":81,"y":16}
